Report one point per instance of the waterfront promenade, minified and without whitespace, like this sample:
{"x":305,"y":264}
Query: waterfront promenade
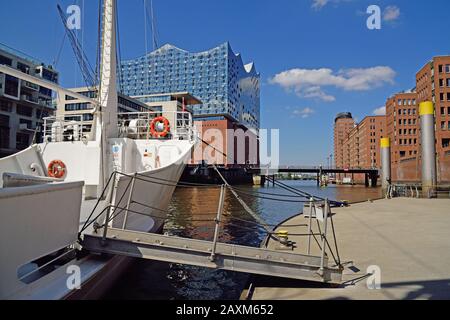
{"x":408,"y":239}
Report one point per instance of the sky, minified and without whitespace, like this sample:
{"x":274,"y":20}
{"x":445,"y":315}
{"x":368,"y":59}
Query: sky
{"x":316,"y":57}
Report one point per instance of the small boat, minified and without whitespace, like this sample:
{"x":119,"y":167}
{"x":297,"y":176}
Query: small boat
{"x":121,"y":171}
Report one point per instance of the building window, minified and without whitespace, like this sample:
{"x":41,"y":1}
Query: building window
{"x":445,"y":143}
{"x":443,"y":125}
{"x":5,"y":60}
{"x":29,"y":123}
{"x":24,"y":110}
{"x":442,"y":111}
{"x":23,"y":67}
{"x":22,"y":141}
{"x":11,"y":86}
{"x":5,"y":106}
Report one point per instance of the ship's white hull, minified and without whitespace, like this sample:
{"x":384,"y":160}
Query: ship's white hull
{"x":151,"y":194}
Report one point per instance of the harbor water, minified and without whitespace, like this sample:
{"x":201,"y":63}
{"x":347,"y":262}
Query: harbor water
{"x":192,"y":211}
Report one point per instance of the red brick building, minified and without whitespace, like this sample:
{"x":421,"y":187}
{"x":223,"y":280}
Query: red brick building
{"x":433,"y":84}
{"x":228,"y":144}
{"x":358,"y":146}
{"x":403,"y":130}
{"x":343,"y":124}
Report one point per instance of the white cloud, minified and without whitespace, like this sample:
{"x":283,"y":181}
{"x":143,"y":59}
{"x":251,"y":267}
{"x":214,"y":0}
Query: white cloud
{"x":319,"y":4}
{"x":303,"y":113}
{"x":391,"y":13}
{"x":309,"y":83}
{"x":381,"y":111}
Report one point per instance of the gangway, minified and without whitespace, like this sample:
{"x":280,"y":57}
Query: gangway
{"x":107,"y":238}
{"x":200,"y":253}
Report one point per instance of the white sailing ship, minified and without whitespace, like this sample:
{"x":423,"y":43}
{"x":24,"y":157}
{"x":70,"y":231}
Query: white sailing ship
{"x":120,"y":171}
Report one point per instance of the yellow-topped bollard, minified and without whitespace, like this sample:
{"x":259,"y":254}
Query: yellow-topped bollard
{"x":426,"y":108}
{"x":428,"y":143}
{"x":385,"y":145}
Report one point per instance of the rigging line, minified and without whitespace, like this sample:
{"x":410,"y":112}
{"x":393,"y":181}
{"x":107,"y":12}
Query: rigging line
{"x":170,"y":181}
{"x":155,"y":41}
{"x":267,"y":193}
{"x":263,"y":196}
{"x":58,"y":55}
{"x":297,"y":191}
{"x":269,"y":225}
{"x":98,"y":201}
{"x":244,"y":205}
{"x":214,"y":148}
{"x":146,"y":179}
{"x":272,"y":199}
{"x":146,"y":45}
{"x":292,"y":189}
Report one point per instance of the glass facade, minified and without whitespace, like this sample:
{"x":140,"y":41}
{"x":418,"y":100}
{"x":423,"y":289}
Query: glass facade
{"x":218,"y":77}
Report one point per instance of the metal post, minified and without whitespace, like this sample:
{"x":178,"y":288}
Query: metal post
{"x":125,"y":218}
{"x":428,"y":139}
{"x":385,"y":145}
{"x":108,"y":212}
{"x":217,"y":228}
{"x":311,"y":205}
{"x":324,"y":235}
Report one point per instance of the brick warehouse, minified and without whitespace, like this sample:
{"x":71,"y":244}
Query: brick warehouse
{"x":402,"y":126}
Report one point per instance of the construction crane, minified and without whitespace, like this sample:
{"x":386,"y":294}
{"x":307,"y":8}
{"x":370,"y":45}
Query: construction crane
{"x":86,"y":69}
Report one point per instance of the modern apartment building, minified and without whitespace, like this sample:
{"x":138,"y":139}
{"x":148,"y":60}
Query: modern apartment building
{"x":403,"y":130}
{"x":23,"y":104}
{"x":69,"y":108}
{"x":228,"y":88}
{"x":433,"y":84}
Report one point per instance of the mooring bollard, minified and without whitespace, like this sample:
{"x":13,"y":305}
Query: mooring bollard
{"x":385,"y":145}
{"x":427,"y":130}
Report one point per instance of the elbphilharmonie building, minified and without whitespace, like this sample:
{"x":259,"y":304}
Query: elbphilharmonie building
{"x":228,"y":88}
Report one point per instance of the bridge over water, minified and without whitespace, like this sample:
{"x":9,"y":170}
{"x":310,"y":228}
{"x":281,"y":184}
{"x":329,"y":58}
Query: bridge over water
{"x":371,"y":175}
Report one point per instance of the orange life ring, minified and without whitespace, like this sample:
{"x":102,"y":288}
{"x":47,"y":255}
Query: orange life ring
{"x":56,"y":169}
{"x":159,"y":134}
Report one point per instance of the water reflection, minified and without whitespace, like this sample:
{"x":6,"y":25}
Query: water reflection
{"x":192,"y":213}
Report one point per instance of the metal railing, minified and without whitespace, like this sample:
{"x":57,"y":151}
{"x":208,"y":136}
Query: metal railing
{"x":414,"y":190}
{"x":403,"y":190}
{"x":136,"y":125}
{"x":66,"y":128}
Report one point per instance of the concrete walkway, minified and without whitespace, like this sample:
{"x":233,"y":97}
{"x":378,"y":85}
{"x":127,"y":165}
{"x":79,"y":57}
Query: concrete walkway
{"x":409,"y":239}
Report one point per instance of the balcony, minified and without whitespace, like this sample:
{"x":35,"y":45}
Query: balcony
{"x":29,"y":99}
{"x":36,"y":101}
{"x":29,"y":85}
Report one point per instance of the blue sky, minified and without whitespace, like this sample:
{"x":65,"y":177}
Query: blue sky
{"x":316,"y":57}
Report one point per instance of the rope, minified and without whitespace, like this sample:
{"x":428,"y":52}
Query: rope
{"x":244,"y":205}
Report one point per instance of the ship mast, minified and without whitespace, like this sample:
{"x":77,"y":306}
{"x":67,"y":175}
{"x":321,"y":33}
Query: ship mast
{"x":106,"y":116}
{"x":107,"y":119}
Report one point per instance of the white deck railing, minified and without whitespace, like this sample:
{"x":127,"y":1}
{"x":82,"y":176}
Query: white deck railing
{"x":66,"y":128}
{"x":136,"y":125}
{"x":133,"y":125}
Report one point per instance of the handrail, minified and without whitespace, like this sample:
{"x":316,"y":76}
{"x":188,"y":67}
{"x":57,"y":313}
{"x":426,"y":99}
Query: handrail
{"x":113,"y":211}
